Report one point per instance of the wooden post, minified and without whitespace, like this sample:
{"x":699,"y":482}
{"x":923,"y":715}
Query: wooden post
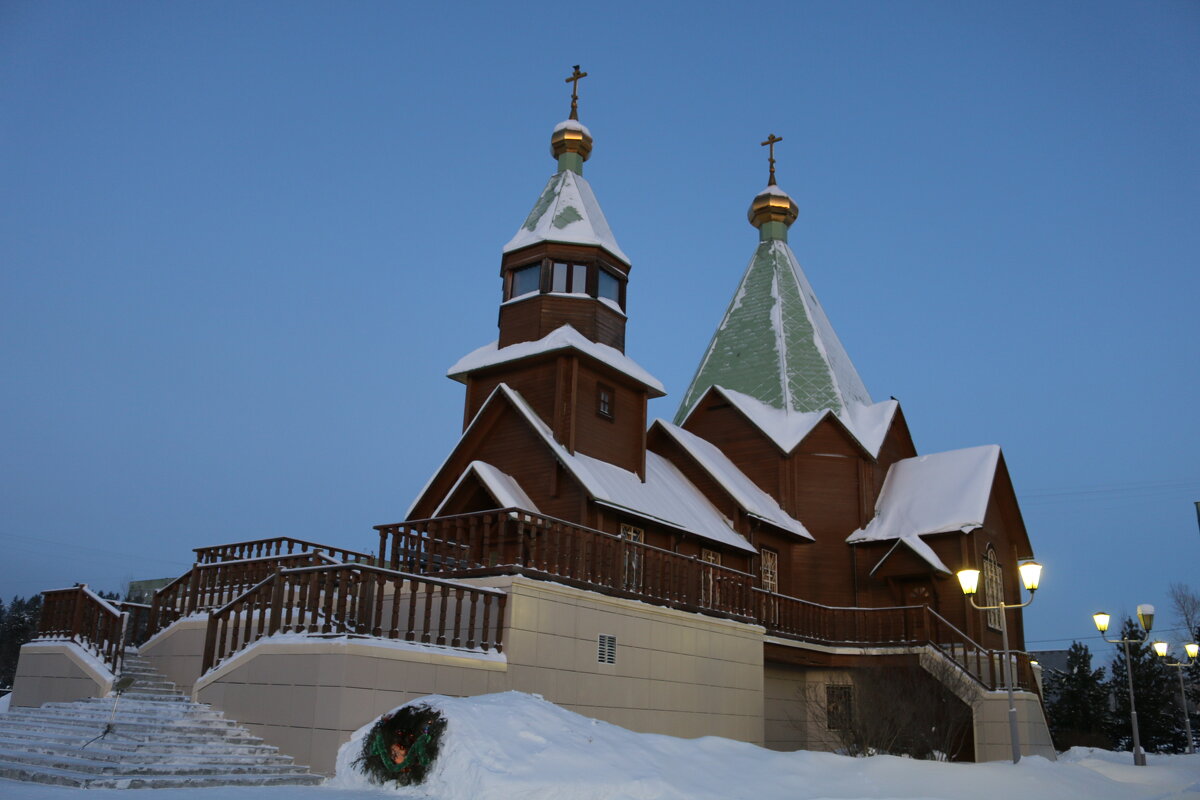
{"x":276,"y":604}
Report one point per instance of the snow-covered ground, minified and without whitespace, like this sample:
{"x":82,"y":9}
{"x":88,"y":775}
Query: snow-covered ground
{"x":514,"y":745}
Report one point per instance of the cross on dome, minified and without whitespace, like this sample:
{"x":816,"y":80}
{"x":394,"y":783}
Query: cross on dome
{"x":576,"y":76}
{"x":770,"y":142}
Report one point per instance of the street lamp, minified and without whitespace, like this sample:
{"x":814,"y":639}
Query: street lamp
{"x":1192,"y":649}
{"x":1145,"y":615}
{"x":1031,"y":574}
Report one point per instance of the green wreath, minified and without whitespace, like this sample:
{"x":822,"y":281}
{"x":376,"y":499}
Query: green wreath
{"x":416,"y":730}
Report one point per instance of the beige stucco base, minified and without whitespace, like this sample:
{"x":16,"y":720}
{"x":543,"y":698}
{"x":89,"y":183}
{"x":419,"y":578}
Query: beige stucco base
{"x":992,"y":738}
{"x":58,"y":672}
{"x":177,"y":651}
{"x":675,"y":673}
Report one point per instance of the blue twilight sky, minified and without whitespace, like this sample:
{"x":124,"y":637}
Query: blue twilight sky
{"x":241,"y":242}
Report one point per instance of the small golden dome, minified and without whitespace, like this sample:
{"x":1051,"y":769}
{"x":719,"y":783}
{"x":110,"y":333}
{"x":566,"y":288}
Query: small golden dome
{"x":571,"y":136}
{"x":772,"y":205}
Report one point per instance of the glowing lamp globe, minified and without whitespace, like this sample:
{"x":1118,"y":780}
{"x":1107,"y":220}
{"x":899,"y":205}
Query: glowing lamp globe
{"x":1160,"y":649}
{"x":1101,"y":619}
{"x":969,"y":580}
{"x":1031,"y":574}
{"x":1192,"y":649}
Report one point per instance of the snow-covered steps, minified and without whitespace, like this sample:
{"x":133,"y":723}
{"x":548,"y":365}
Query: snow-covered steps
{"x":150,"y":737}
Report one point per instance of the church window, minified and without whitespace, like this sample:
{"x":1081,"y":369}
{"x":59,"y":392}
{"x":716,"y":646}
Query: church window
{"x":993,"y":587}
{"x":604,"y":401}
{"x":770,"y":570}
{"x":525,"y":280}
{"x":569,"y":278}
{"x":609,"y":287}
{"x":839,"y":706}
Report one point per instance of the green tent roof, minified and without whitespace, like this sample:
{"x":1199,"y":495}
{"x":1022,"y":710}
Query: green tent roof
{"x":776,"y":345}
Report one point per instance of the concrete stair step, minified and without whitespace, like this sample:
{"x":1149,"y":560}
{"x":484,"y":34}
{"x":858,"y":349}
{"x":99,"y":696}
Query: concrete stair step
{"x":92,"y":766}
{"x":122,"y":749}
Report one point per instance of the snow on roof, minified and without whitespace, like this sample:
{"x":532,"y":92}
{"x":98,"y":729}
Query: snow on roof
{"x":868,"y":424}
{"x":567,"y":211}
{"x":745,"y":492}
{"x":503,"y":488}
{"x":562,"y":338}
{"x":935,"y":493}
{"x":666,"y":495}
{"x":776,"y":344}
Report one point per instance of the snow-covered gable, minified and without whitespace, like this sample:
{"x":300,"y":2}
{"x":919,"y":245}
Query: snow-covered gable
{"x":503,"y":488}
{"x":567,"y":212}
{"x":776,"y":344}
{"x":935,"y":493}
{"x":666,"y":495}
{"x":745,"y":492}
{"x":867,"y":424}
{"x":563,"y":338}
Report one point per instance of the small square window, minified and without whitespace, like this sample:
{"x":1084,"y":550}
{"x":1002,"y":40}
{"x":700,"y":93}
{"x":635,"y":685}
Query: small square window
{"x":604,"y":401}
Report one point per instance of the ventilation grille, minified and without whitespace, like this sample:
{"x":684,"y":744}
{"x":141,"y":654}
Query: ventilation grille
{"x":606,"y":649}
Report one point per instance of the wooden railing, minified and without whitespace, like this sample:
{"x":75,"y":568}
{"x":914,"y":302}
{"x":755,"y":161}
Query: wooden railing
{"x":137,"y":628}
{"x":212,"y":584}
{"x":83,"y":617}
{"x":278,"y":546}
{"x":358,"y":600}
{"x":910,"y":626}
{"x":511,"y":541}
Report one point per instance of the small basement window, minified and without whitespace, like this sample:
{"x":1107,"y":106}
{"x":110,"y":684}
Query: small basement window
{"x":839,"y":706}
{"x":606,"y":649}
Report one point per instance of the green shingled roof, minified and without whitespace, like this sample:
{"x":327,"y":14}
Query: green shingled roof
{"x":776,"y":344}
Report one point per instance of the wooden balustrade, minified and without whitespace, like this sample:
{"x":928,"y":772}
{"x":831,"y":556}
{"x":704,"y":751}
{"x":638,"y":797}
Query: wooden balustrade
{"x":279,"y":546}
{"x":213,"y":584}
{"x":137,"y":628}
{"x":358,"y":600}
{"x":83,"y":617}
{"x":511,"y":541}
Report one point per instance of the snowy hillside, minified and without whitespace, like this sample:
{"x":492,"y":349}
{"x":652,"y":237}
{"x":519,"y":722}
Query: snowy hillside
{"x":513,"y":745}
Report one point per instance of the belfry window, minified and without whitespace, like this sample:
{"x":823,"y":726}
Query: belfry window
{"x":609,"y":287}
{"x":525,"y":280}
{"x":570,"y":278}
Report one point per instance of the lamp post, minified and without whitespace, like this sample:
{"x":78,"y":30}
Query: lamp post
{"x":1031,"y":573}
{"x":1145,"y":615}
{"x":1192,"y":649}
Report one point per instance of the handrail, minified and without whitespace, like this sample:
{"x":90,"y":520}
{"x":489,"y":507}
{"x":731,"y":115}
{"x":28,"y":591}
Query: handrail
{"x":275,"y":546}
{"x":358,"y":600}
{"x":81,"y":616}
{"x":514,"y":541}
{"x":213,"y":584}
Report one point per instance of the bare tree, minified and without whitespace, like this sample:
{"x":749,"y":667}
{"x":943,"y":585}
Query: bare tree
{"x":897,"y":710}
{"x":1185,"y":602}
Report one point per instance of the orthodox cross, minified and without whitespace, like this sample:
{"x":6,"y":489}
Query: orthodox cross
{"x":770,"y":142}
{"x":574,"y":80}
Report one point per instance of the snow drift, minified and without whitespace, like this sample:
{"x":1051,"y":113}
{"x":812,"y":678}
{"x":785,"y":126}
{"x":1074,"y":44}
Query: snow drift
{"x":517,"y":745}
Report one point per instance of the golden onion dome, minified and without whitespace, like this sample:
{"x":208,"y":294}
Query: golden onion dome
{"x":571,"y":136}
{"x":772,"y":205}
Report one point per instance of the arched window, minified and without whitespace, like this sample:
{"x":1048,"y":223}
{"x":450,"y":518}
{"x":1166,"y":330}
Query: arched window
{"x":993,"y":587}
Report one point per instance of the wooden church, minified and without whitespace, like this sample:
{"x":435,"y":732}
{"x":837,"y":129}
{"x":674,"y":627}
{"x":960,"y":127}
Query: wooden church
{"x":724,"y":573}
